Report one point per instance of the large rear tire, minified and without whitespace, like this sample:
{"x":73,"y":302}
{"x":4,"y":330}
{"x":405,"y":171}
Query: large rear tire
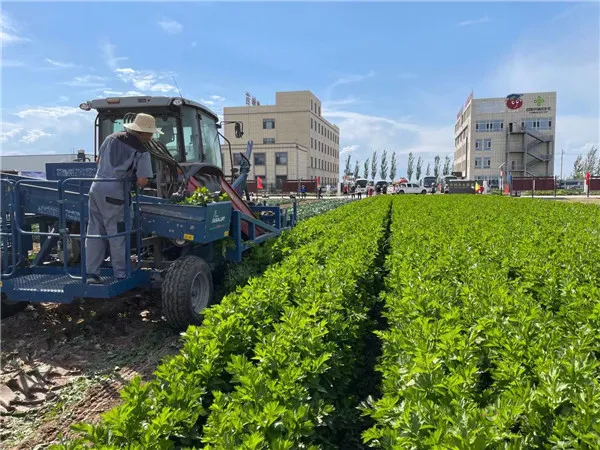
{"x":186,"y":291}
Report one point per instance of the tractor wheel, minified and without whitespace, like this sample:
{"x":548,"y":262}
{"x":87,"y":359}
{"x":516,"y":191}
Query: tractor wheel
{"x":9,"y":308}
{"x":186,"y":291}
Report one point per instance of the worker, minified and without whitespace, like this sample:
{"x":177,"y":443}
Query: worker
{"x":123,"y":156}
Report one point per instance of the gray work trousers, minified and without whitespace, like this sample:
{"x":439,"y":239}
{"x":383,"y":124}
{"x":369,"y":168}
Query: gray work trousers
{"x":103,"y":220}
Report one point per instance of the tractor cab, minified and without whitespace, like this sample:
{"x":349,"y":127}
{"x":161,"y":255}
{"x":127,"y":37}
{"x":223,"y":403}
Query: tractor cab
{"x":190,"y":132}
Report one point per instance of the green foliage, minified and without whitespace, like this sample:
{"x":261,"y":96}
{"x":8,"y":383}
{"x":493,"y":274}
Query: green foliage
{"x":202,"y":197}
{"x":170,"y":410}
{"x":493,"y":326}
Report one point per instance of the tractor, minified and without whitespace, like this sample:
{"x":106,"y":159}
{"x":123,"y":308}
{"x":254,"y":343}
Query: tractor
{"x":173,"y":245}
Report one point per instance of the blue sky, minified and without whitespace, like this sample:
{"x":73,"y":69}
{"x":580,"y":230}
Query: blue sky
{"x":390,"y":75}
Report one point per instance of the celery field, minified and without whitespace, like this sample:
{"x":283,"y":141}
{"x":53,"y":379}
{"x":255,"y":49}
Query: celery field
{"x":393,"y":322}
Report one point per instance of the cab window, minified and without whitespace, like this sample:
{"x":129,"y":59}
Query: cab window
{"x":210,"y":140}
{"x":191,"y":135}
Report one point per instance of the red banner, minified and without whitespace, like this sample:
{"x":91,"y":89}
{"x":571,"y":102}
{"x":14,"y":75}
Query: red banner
{"x":259,"y":184}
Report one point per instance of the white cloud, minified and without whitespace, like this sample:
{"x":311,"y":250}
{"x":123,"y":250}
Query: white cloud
{"x":10,"y":134}
{"x":566,"y":62}
{"x":32,"y":136}
{"x":10,"y":31}
{"x":59,"y":64}
{"x":108,"y":53}
{"x":171,"y":26}
{"x":39,"y":128}
{"x":145,"y":81}
{"x":361,"y":134}
{"x":349,"y":149}
{"x":63,"y":98}
{"x":217,"y":98}
{"x":333,"y":104}
{"x":113,"y":93}
{"x":465,"y":23}
{"x":87,"y":81}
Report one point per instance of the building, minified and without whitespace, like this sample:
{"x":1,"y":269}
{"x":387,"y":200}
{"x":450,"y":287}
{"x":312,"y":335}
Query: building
{"x":35,"y":165}
{"x":496,"y":137}
{"x":291,"y":139}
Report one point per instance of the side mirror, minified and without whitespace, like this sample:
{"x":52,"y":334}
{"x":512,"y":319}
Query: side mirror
{"x":238,"y":130}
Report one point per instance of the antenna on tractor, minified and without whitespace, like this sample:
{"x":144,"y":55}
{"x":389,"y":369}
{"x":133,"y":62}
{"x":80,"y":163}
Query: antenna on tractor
{"x":175,"y":81}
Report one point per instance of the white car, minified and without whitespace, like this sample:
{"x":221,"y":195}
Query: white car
{"x":411,"y":188}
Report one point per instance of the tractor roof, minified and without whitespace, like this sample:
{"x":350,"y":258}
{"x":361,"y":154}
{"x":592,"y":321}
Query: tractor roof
{"x":144,"y":101}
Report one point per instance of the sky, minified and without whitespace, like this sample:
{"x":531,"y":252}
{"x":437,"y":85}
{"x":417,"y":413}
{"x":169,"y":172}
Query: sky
{"x":391,"y":75}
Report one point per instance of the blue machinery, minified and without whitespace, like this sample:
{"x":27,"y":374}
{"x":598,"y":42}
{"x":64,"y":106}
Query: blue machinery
{"x":174,"y":246}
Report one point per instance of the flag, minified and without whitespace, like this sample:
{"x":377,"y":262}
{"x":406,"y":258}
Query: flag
{"x":259,"y":183}
{"x":476,"y":186}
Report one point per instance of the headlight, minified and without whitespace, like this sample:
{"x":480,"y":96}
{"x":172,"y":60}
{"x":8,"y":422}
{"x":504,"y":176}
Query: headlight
{"x":85,"y":106}
{"x":177,"y":102}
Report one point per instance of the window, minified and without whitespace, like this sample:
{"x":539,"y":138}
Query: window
{"x":268,"y":140}
{"x":319,"y":110}
{"x":478,"y":163}
{"x":311,"y":143}
{"x":259,"y":159}
{"x":311,"y":123}
{"x":537,"y":124}
{"x":478,"y":144}
{"x":281,"y":158}
{"x":211,"y":145}
{"x":487,"y":162}
{"x":311,"y":106}
{"x":487,"y":144}
{"x":489,"y":125}
{"x":237,"y":159}
{"x":268,"y":124}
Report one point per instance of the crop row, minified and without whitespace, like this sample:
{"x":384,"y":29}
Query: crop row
{"x":493,"y":321}
{"x":170,"y":410}
{"x":286,"y":394}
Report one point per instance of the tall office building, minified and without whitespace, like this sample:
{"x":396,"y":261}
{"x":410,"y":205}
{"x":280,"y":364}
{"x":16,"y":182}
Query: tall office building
{"x":502,"y":136}
{"x":291,"y":139}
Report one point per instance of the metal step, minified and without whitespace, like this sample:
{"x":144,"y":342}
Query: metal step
{"x":61,"y":288}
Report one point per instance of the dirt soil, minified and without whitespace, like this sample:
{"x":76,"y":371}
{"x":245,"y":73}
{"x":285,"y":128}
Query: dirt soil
{"x":63,"y":364}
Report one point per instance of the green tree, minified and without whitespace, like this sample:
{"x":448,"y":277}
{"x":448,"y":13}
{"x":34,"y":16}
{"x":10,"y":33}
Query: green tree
{"x":447,"y":168}
{"x":374,"y":165}
{"x":436,"y":167}
{"x":410,"y":168}
{"x":366,"y":169}
{"x":356,"y":169}
{"x":428,"y":170}
{"x":419,"y":168}
{"x":384,"y":165}
{"x":347,"y":169}
{"x":393,"y":167}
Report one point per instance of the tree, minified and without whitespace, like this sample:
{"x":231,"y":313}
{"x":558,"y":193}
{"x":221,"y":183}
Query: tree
{"x":436,"y":167}
{"x":591,"y":164}
{"x":410,"y":168}
{"x":347,"y":169}
{"x":356,"y":169}
{"x":428,"y":171}
{"x":393,"y":167}
{"x":447,"y":168}
{"x":366,"y":169}
{"x":419,"y":168}
{"x":384,"y":166}
{"x":374,"y":165}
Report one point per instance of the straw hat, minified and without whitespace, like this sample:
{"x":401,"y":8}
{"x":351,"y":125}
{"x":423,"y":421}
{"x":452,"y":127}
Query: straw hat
{"x":144,"y":123}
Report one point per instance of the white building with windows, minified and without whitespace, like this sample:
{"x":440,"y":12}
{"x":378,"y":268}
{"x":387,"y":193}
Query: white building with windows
{"x":292,"y":140}
{"x":512,"y":135}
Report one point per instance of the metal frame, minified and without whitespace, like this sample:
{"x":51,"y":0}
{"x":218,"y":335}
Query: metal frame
{"x":155,"y":221}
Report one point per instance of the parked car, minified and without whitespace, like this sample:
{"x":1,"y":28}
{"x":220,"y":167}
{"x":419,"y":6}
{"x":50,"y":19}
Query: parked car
{"x":411,"y":188}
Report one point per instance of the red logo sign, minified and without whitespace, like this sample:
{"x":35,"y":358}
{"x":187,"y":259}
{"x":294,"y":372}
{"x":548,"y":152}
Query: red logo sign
{"x":513,"y":101}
